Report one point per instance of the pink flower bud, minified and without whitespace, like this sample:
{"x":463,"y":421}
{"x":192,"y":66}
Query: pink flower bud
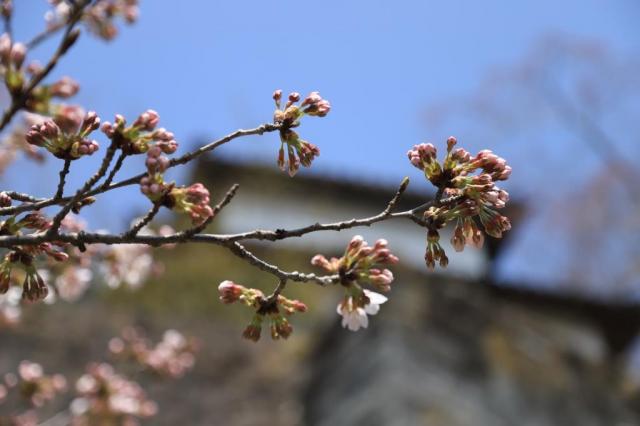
{"x":5,"y":48}
{"x":321,"y":261}
{"x":34,"y":137}
{"x":65,"y":88}
{"x":230,"y":292}
{"x":90,"y":123}
{"x":148,"y":120}
{"x":49,"y":129}
{"x":18,"y":53}
{"x":294,"y":97}
{"x":451,"y":142}
{"x":108,"y":129}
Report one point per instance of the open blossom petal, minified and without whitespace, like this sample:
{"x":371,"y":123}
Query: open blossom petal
{"x":355,"y":317}
{"x":375,"y":298}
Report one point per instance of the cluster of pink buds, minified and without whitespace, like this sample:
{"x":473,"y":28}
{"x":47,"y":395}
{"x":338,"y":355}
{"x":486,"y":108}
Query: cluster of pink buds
{"x":139,"y":137}
{"x":299,"y":152}
{"x":12,"y":56}
{"x":104,"y":395}
{"x":156,"y":162}
{"x":280,"y":327}
{"x":435,"y":252}
{"x":172,"y":356}
{"x":33,"y":384}
{"x":33,"y":287}
{"x":100,"y":18}
{"x":57,"y":17}
{"x":143,"y":137}
{"x":69,"y":143}
{"x":192,"y":200}
{"x":153,"y":185}
{"x":41,"y":98}
{"x":470,"y":183}
{"x":360,"y":265}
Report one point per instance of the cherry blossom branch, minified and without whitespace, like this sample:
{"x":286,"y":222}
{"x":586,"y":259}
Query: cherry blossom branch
{"x":114,"y":171}
{"x":18,"y":196}
{"x":57,"y":219}
{"x":281,"y":234}
{"x":260,"y":130}
{"x":240,"y":251}
{"x":36,"y":204}
{"x":69,"y":38}
{"x":220,"y":239}
{"x":144,"y":221}
{"x":45,"y":34}
{"x":466,"y":191}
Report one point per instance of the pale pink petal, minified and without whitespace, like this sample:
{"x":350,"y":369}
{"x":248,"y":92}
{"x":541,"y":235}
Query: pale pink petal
{"x":375,"y":298}
{"x":362,"y":318}
{"x":372,"y":309}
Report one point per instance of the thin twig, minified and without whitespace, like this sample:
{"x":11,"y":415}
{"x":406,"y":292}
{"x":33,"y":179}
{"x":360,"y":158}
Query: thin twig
{"x":42,"y":36}
{"x":63,"y":174}
{"x":144,"y":221}
{"x":277,"y":291}
{"x":268,"y":127}
{"x":116,"y":168}
{"x":18,"y":196}
{"x":240,"y":251}
{"x":7,"y":24}
{"x":57,"y":219}
{"x":280,"y":234}
{"x":221,"y":239}
{"x":391,"y":205}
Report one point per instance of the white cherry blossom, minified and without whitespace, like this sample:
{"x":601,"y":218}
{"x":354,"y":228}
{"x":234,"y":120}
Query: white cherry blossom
{"x":355,"y":317}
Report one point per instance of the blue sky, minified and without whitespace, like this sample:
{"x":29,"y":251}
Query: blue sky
{"x":209,"y":67}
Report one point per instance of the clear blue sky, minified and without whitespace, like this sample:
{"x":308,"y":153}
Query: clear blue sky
{"x":209,"y":67}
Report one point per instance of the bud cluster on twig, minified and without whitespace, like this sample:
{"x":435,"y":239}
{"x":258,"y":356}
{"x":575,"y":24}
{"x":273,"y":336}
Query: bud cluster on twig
{"x":271,"y":308}
{"x":360,"y":265}
{"x":100,"y":17}
{"x":470,"y":195}
{"x":299,"y":152}
{"x":69,"y":142}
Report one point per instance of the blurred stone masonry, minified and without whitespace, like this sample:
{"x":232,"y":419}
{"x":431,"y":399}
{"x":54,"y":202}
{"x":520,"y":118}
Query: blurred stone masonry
{"x":471,"y":353}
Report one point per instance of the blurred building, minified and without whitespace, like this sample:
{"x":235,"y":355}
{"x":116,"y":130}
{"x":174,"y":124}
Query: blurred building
{"x":452,"y":348}
{"x":448,"y":348}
